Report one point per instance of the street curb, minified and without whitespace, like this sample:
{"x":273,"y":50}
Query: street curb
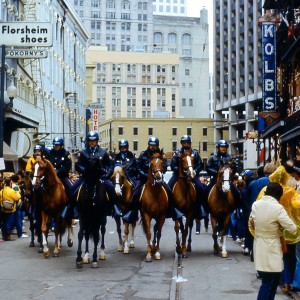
{"x":175,"y":286}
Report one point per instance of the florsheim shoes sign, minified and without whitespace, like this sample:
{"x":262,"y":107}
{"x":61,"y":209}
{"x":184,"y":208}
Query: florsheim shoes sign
{"x":269,"y":66}
{"x":31,"y":34}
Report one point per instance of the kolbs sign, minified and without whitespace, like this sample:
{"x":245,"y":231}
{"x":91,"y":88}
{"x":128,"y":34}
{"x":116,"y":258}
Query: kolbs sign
{"x":269,"y":66}
{"x":26,"y":34}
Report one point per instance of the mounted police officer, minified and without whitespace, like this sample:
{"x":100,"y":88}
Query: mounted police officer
{"x":61,"y":161}
{"x":216,"y":161}
{"x":142,"y":168}
{"x":127,"y":158}
{"x":186,"y":143}
{"x":37,"y":151}
{"x":93,"y":151}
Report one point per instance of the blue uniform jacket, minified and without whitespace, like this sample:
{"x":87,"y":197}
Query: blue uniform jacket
{"x":61,"y":161}
{"x":214,"y":164}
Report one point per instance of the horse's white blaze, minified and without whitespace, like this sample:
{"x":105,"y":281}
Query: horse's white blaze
{"x":118,"y":185}
{"x":36,"y":167}
{"x":188,"y":158}
{"x":226,"y":184}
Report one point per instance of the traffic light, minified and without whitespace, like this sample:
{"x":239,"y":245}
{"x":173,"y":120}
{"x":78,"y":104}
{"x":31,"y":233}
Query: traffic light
{"x":238,"y":166}
{"x":88,"y":114}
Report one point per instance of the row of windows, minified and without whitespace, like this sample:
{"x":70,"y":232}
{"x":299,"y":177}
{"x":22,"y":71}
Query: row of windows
{"x":112,"y":4}
{"x":168,"y":9}
{"x":151,"y":131}
{"x":132,"y":68}
{"x":172,"y":38}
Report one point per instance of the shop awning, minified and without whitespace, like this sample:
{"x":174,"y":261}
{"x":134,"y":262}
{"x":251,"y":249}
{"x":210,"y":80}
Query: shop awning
{"x":9,"y":154}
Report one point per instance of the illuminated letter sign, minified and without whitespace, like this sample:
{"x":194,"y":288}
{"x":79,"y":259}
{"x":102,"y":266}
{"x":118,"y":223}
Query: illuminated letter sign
{"x":269,"y":66}
{"x":95,"y":119}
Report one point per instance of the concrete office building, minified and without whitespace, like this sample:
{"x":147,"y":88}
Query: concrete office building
{"x":170,"y":7}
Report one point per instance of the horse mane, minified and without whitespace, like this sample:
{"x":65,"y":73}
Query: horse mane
{"x":47,"y":164}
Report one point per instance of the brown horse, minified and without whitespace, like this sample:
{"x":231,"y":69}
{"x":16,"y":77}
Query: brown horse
{"x":154,"y":204}
{"x":221,"y":204}
{"x":124,"y":190}
{"x":53,"y":202}
{"x":184,"y":194}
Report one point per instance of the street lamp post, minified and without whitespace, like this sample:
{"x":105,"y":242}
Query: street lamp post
{"x":258,"y":142}
{"x":11,"y":93}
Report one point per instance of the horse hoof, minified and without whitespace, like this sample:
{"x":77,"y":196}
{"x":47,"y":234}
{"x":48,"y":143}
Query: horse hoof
{"x":56,"y":254}
{"x":132,"y":245}
{"x":86,"y":261}
{"x":157,"y":256}
{"x":79,"y":264}
{"x":120,"y":249}
{"x":31,"y":244}
{"x":40,"y":250}
{"x":224,"y":254}
{"x":46,"y":254}
{"x":126,"y":251}
{"x":94,"y":265}
{"x":70,"y":243}
{"x":148,"y":258}
{"x":102,"y":257}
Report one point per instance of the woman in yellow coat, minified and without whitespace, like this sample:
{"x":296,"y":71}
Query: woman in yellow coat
{"x":8,"y":194}
{"x":37,"y":151}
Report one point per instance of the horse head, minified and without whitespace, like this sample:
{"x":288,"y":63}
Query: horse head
{"x":187,"y":163}
{"x":156,"y":167}
{"x":224,"y":176}
{"x":118,"y":178}
{"x":39,"y":170}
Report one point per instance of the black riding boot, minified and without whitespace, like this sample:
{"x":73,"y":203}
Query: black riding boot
{"x":133,"y":213}
{"x":174,"y":212}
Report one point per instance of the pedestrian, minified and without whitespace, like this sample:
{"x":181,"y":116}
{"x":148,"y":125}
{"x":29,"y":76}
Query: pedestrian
{"x":267,"y":229}
{"x":293,"y":168}
{"x":8,"y":200}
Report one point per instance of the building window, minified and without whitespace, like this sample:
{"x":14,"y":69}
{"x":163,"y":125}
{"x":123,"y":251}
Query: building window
{"x":190,"y":102}
{"x":172,"y":38}
{"x":187,"y":72}
{"x":157,"y":38}
{"x":189,"y":131}
{"x":204,"y":131}
{"x":204,"y":146}
{"x":135,"y":131}
{"x":174,"y":145}
{"x":135,"y":145}
{"x":150,"y":131}
{"x":183,"y":102}
{"x":121,"y":130}
{"x":174,"y":131}
{"x":186,"y":39}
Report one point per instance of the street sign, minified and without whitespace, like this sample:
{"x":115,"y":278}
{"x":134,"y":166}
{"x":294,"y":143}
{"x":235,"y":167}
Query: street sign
{"x":95,"y":119}
{"x":26,"y":53}
{"x":26,"y":34}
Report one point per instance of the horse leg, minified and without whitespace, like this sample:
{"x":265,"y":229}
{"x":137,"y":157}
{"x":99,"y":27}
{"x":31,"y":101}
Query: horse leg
{"x":154,"y":241}
{"x":56,"y":246}
{"x":96,"y":241}
{"x":184,"y":234}
{"x":119,"y":231}
{"x":131,"y":229}
{"x":126,"y":233}
{"x":31,"y":228}
{"x":190,"y":228}
{"x":102,"y":247}
{"x":214,"y":234}
{"x":159,"y":229}
{"x":86,"y":258}
{"x":45,"y":225}
{"x":224,"y":232}
{"x":178,"y":245}
{"x":147,"y":227}
{"x":79,"y":262}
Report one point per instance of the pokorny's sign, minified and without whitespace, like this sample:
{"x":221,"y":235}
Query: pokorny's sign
{"x":26,"y":53}
{"x":26,"y":34}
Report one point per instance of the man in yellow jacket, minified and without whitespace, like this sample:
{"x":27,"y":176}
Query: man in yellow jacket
{"x":37,"y":151}
{"x":10,"y":195}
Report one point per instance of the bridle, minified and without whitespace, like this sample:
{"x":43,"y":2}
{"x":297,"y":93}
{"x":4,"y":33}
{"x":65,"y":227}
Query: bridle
{"x":156,"y":173}
{"x":188,"y":171}
{"x":225,"y":181}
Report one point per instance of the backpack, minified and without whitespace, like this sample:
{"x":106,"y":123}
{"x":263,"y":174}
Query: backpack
{"x":8,"y":205}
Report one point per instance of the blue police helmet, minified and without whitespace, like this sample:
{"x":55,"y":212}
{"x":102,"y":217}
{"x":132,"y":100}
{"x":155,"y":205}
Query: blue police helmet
{"x":153,"y":141}
{"x":58,"y":141}
{"x":248,"y":173}
{"x":186,"y":138}
{"x":222,"y":143}
{"x":37,"y":148}
{"x":124,"y":144}
{"x":92,"y":136}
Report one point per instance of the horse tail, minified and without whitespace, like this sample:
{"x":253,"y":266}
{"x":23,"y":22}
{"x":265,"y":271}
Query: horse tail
{"x":143,"y":223}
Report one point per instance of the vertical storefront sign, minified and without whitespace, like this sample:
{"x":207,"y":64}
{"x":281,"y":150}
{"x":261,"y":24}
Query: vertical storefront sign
{"x":95,"y":119}
{"x":269,"y":66}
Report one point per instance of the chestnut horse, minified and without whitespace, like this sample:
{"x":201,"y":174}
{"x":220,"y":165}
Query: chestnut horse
{"x":53,"y":202}
{"x":184,"y":194}
{"x":221,"y":204}
{"x":154,"y":204}
{"x":93,"y":208}
{"x":124,"y":190}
